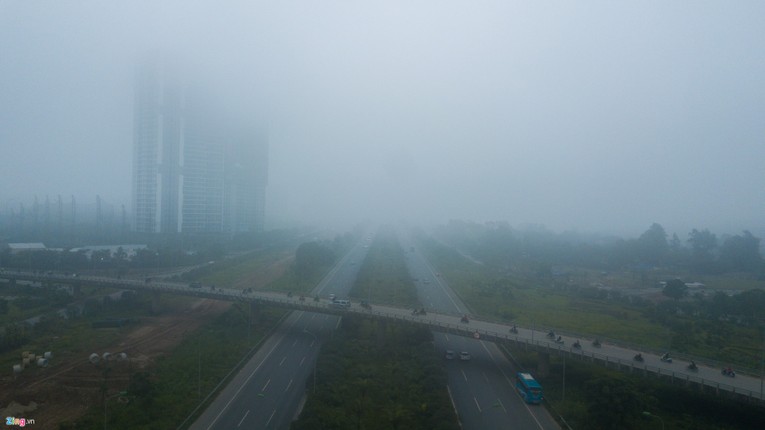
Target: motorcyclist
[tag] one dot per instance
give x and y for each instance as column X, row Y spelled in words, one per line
column 638, row 357
column 559, row 339
column 551, row 334
column 596, row 342
column 577, row 344
column 513, row 329
column 692, row 365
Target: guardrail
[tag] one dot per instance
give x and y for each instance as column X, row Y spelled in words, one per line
column 432, row 320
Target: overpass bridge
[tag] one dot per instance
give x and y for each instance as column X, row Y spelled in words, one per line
column 609, row 354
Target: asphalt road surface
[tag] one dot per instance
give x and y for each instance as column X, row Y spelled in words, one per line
column 269, row 390
column 482, row 388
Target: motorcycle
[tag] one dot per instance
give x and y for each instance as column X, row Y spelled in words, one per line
column 577, row 345
column 729, row 372
column 666, row 358
column 551, row 335
column 514, row 330
column 464, row 319
column 559, row 340
column 692, row 367
column 638, row 357
column 596, row 343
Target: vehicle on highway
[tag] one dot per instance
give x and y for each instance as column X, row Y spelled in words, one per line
column 449, row 355
column 729, row 372
column 528, row 388
column 464, row 356
column 338, row 303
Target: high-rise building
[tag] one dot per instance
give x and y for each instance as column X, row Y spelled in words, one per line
column 192, row 174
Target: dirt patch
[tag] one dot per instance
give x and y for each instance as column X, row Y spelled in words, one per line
column 65, row 390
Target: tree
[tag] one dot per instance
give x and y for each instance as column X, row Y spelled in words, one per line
column 652, row 245
column 613, row 402
column 675, row 289
column 741, row 253
column 703, row 243
column 311, row 256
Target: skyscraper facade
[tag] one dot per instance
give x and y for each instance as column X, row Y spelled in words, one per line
column 192, row 174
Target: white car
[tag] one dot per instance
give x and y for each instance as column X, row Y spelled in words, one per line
column 449, row 354
column 464, row 356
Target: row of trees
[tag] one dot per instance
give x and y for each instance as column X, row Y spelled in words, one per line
column 384, row 276
column 498, row 245
column 378, row 375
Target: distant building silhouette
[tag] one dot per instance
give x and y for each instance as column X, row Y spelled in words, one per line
column 191, row 173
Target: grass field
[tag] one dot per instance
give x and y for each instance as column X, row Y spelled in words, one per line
column 537, row 303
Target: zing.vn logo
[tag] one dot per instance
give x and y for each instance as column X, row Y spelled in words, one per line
column 21, row 422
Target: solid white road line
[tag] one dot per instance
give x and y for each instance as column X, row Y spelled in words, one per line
column 271, row 417
column 477, row 405
column 265, row 386
column 242, row 420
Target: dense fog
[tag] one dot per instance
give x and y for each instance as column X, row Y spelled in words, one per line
column 590, row 116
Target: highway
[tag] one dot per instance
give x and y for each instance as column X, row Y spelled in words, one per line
column 483, row 387
column 443, row 317
column 268, row 392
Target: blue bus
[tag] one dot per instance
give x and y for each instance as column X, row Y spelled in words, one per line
column 528, row 388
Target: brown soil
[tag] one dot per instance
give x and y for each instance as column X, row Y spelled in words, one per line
column 67, row 388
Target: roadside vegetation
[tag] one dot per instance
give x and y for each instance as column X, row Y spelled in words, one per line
column 378, row 375
column 165, row 394
column 383, row 276
column 716, row 328
column 312, row 262
column 599, row 398
column 537, row 279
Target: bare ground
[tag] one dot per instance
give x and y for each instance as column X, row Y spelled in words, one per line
column 65, row 390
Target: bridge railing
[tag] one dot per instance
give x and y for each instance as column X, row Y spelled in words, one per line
column 309, row 304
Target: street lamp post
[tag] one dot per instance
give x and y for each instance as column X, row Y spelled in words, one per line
column 314, row 361
column 648, row 414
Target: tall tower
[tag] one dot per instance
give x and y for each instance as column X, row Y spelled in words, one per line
column 193, row 172
column 158, row 142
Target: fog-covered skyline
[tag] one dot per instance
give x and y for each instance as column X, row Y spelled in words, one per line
column 591, row 116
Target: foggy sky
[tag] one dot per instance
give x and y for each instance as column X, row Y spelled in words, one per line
column 596, row 116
